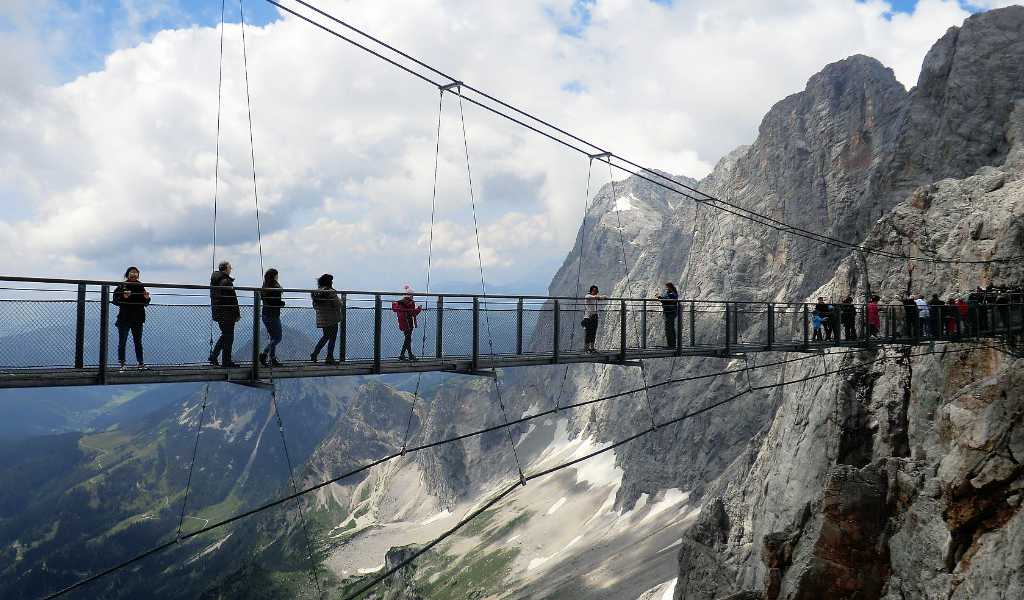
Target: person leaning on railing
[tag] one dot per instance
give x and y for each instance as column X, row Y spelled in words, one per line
column 270, row 295
column 131, row 299
column 327, row 306
column 224, row 306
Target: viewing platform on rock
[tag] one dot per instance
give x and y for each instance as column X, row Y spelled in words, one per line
column 62, row 332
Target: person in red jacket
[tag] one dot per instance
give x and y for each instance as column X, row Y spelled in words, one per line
column 406, row 311
column 874, row 319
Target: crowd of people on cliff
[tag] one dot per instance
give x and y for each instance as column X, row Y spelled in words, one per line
column 972, row 313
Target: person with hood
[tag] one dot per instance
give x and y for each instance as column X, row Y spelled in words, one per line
column 923, row 316
column 270, row 294
column 669, row 306
column 131, row 300
column 224, row 305
column 327, row 306
column 590, row 310
column 849, row 318
column 874, row 317
column 406, row 311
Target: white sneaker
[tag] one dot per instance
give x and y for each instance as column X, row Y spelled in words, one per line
column 143, row 367
column 123, row 368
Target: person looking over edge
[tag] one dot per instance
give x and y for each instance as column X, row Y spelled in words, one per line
column 327, row 306
column 224, row 305
column 131, row 299
column 590, row 308
column 270, row 294
column 406, row 311
column 669, row 306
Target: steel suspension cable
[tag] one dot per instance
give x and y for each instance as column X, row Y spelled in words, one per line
column 483, row 288
column 314, row 578
column 427, row 446
column 430, row 260
column 579, row 275
column 629, row 285
column 213, row 267
column 653, row 176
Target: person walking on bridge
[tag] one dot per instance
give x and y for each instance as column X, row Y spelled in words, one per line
column 327, row 306
column 590, row 310
column 406, row 311
column 270, row 294
column 669, row 307
column 224, row 305
column 131, row 300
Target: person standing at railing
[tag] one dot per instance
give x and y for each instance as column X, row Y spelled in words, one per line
column 327, row 306
column 270, row 294
column 849, row 316
column 224, row 305
column 874, row 318
column 962, row 315
column 923, row 316
column 937, row 310
column 824, row 311
column 590, row 310
column 816, row 322
column 910, row 317
column 669, row 306
column 131, row 299
column 406, row 312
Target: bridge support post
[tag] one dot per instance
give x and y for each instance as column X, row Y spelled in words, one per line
column 80, row 328
column 476, row 335
column 807, row 327
column 771, row 326
column 519, row 326
column 728, row 329
column 376, row 332
column 439, row 343
column 256, row 308
column 557, row 318
column 343, row 329
column 643, row 325
column 101, row 375
column 679, row 328
column 622, row 330
column 693, row 324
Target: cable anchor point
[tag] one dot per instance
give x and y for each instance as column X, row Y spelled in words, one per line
column 454, row 85
column 606, row 156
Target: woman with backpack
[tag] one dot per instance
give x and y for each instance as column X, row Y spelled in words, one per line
column 406, row 312
column 131, row 299
column 270, row 294
column 327, row 306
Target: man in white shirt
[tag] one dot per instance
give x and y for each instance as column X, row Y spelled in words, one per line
column 923, row 314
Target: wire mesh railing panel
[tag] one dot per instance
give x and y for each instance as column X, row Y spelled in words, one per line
column 40, row 333
column 173, row 334
column 498, row 328
column 457, row 329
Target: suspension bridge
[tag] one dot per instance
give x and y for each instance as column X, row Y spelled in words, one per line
column 58, row 332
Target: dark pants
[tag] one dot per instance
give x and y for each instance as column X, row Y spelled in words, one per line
column 225, row 341
column 274, row 332
column 670, row 329
column 850, row 330
column 827, row 326
column 328, row 337
column 590, row 330
column 122, row 339
column 407, row 343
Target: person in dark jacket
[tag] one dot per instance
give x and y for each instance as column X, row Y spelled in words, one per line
column 669, row 307
column 824, row 311
column 327, row 306
column 937, row 313
column 406, row 312
column 849, row 317
column 131, row 299
column 224, row 305
column 271, row 317
column 836, row 321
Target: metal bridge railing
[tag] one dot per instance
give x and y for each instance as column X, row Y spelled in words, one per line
column 67, row 324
